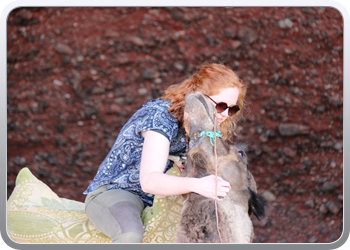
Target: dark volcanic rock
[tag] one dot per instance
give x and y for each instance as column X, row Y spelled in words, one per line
column 76, row 75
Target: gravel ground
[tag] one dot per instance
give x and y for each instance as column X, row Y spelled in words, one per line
column 75, row 76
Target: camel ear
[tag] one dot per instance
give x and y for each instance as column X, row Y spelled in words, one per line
column 198, row 114
column 257, row 205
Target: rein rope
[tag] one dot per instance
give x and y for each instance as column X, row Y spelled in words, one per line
column 216, row 176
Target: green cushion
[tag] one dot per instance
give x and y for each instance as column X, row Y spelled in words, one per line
column 162, row 218
column 35, row 214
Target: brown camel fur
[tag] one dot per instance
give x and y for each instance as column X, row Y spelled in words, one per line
column 198, row 216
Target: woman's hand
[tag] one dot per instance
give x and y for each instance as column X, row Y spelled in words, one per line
column 206, row 186
column 153, row 180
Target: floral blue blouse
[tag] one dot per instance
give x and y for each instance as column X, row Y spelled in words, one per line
column 121, row 167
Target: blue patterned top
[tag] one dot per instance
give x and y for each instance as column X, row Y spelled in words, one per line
column 121, row 167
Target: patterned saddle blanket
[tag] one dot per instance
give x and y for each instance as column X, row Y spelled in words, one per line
column 35, row 214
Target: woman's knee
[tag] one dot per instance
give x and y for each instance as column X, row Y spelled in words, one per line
column 117, row 213
column 128, row 216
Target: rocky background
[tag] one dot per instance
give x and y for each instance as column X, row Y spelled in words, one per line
column 75, row 76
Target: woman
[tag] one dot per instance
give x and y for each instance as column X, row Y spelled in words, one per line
column 134, row 169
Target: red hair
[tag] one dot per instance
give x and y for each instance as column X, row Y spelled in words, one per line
column 209, row 80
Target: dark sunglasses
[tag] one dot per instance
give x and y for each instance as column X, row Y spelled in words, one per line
column 222, row 106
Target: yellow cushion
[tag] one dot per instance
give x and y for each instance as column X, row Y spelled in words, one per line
column 35, row 214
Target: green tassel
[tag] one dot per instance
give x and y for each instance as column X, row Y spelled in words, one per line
column 211, row 135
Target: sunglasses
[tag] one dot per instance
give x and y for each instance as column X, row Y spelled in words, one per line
column 222, row 106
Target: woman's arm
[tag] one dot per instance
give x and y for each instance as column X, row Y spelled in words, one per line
column 153, row 180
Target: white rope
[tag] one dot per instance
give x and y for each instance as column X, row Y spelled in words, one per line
column 216, row 186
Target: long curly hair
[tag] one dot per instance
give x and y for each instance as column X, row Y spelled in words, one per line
column 210, row 80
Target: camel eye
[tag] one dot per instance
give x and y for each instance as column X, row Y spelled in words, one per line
column 241, row 153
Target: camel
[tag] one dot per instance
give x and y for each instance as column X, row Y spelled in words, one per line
column 200, row 215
